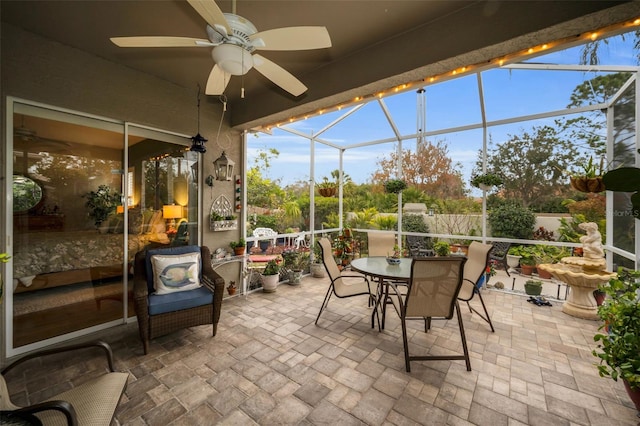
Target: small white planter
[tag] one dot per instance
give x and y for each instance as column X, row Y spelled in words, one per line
column 270, row 282
column 513, row 261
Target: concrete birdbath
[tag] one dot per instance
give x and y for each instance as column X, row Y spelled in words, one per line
column 582, row 274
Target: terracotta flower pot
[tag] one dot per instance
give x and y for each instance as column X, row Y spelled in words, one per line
column 634, row 394
column 526, row 269
column 544, row 274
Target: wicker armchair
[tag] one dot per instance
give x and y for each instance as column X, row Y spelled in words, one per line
column 92, row 402
column 163, row 314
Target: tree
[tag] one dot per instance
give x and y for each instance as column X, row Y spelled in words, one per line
column 589, row 129
column 532, row 165
column 429, row 169
column 262, row 191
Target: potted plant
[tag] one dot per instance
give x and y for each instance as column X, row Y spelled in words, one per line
column 317, row 266
column 486, row 181
column 514, row 256
column 326, row 188
column 239, row 247
column 618, row 345
column 296, row 262
column 231, row 288
column 395, row 186
column 589, row 179
column 533, row 287
column 442, row 248
column 101, row 203
column 394, row 258
column 270, row 276
column 527, row 264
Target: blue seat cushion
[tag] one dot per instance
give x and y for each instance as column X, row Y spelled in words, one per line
column 164, row 303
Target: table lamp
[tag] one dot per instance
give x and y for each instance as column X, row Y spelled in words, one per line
column 171, row 212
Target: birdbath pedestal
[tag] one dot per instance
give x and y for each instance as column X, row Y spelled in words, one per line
column 583, row 276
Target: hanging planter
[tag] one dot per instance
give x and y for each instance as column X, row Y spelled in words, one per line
column 590, row 180
column 587, row 184
column 394, row 186
column 486, row 181
column 327, row 188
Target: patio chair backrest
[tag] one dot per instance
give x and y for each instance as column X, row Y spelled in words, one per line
column 476, row 265
column 380, row 243
column 331, row 266
column 434, row 286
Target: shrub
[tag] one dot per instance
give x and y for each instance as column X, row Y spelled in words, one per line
column 414, row 223
column 512, row 221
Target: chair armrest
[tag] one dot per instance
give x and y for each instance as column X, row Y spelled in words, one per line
column 99, row 344
column 62, row 406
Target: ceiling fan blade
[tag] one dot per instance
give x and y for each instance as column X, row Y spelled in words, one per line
column 211, row 13
column 160, row 41
column 278, row 75
column 217, row 82
column 293, row 38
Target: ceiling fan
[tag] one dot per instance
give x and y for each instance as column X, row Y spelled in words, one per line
column 27, row 139
column 234, row 40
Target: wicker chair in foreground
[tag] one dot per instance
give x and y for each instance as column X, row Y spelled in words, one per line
column 163, row 303
column 93, row 402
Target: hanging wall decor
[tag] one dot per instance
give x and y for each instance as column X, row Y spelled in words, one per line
column 221, row 217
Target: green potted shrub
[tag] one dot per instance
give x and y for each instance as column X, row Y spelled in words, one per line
column 442, row 248
column 486, row 181
column 317, row 267
column 270, row 276
column 533, row 287
column 239, row 247
column 395, row 186
column 618, row 345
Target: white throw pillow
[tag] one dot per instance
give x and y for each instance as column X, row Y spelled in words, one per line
column 173, row 273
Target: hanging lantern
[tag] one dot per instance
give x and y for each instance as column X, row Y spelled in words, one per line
column 223, row 167
column 198, row 141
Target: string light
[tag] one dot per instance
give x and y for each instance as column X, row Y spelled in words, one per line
column 593, row 35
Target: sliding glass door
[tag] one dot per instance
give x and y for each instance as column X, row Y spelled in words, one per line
column 88, row 194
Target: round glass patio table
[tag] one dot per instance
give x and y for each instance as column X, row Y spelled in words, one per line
column 377, row 267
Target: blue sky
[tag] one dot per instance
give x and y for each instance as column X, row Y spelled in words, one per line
column 508, row 93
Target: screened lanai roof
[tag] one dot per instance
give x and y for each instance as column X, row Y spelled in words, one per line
column 465, row 112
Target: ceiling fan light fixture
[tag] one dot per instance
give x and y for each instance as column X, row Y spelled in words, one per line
column 232, row 59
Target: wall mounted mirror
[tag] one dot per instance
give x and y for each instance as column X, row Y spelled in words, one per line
column 27, row 193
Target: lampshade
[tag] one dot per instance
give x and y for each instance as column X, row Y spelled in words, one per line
column 171, row 211
column 180, row 190
column 232, row 59
column 223, row 167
